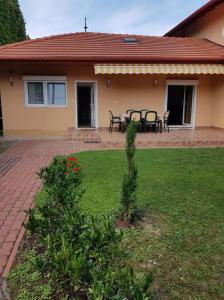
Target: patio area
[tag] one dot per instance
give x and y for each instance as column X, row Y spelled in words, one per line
column 201, row 137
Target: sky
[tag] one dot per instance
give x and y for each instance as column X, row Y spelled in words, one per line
column 150, row 17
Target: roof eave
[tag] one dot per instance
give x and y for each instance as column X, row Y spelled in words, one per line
column 115, row 59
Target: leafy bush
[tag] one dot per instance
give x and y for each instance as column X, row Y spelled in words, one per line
column 62, row 174
column 23, row 287
column 80, row 254
column 128, row 198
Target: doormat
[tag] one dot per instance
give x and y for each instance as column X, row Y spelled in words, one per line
column 92, row 141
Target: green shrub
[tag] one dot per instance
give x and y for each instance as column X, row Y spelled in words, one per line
column 62, row 174
column 80, row 255
column 61, row 180
column 129, row 185
column 23, row 287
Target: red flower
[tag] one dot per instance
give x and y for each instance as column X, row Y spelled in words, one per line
column 72, row 159
column 76, row 169
column 69, row 165
column 66, row 173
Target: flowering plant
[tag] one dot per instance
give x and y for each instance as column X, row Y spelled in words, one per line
column 62, row 172
column 72, row 165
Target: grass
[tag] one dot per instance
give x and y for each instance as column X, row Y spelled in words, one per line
column 182, row 236
column 182, row 192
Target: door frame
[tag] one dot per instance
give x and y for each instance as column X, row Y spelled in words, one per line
column 95, row 84
column 184, row 82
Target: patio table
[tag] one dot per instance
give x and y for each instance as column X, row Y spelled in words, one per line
column 125, row 118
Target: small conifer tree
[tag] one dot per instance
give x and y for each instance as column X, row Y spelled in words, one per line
column 129, row 185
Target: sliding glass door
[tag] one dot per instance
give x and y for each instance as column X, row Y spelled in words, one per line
column 180, row 104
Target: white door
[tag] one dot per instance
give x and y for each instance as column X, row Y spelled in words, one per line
column 93, row 107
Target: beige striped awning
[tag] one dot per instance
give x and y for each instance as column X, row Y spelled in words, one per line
column 159, row 69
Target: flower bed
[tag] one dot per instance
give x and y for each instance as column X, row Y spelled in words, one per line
column 76, row 256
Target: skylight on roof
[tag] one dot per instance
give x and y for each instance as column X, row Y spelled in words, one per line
column 130, row 40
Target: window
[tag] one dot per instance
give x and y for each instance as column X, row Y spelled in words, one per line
column 130, row 40
column 35, row 92
column 45, row 91
column 56, row 93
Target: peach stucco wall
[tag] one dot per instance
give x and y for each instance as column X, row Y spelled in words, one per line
column 125, row 92
column 17, row 118
column 218, row 104
column 129, row 92
column 210, row 26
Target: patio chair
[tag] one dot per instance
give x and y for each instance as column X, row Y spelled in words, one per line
column 151, row 120
column 136, row 116
column 166, row 120
column 143, row 112
column 128, row 112
column 114, row 120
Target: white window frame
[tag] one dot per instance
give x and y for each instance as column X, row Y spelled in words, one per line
column 45, row 80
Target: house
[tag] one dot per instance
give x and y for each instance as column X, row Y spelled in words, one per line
column 54, row 83
column 206, row 22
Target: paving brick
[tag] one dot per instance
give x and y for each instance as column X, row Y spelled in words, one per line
column 2, row 237
column 9, row 220
column 11, row 237
column 17, row 225
column 4, row 229
column 6, row 249
column 3, row 261
column 3, row 215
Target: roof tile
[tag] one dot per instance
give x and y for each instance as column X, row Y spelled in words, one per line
column 105, row 47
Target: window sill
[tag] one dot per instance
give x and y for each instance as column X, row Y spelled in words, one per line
column 46, row 106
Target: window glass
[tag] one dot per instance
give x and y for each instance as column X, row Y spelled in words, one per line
column 56, row 93
column 35, row 93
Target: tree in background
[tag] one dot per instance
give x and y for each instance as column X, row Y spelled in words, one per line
column 12, row 24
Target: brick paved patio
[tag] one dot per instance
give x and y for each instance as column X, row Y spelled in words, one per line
column 205, row 137
column 19, row 164
column 19, row 184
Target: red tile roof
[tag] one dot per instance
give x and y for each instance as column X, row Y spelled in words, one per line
column 193, row 17
column 104, row 47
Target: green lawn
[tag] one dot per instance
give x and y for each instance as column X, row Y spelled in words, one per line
column 181, row 239
column 182, row 193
